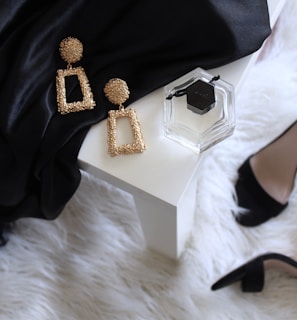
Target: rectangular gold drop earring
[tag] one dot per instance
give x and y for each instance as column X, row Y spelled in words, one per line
column 117, row 92
column 71, row 51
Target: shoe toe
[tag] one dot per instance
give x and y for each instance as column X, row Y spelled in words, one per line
column 256, row 208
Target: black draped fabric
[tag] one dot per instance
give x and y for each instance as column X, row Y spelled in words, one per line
column 146, row 43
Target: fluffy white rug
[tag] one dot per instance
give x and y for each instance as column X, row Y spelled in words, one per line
column 91, row 263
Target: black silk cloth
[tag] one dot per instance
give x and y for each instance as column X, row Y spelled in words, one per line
column 146, row 43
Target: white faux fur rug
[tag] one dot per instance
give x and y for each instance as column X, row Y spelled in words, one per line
column 91, row 263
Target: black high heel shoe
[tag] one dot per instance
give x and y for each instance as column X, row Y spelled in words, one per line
column 250, row 195
column 252, row 274
column 259, row 205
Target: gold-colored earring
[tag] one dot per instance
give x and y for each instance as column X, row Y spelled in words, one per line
column 71, row 50
column 117, row 92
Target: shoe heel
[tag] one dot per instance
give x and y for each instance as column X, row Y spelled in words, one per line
column 252, row 273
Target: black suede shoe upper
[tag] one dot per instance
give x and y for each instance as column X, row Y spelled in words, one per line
column 251, row 196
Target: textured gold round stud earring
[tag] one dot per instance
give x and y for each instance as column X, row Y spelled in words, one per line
column 117, row 92
column 71, row 50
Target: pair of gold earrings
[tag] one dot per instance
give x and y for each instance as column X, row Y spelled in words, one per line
column 116, row 91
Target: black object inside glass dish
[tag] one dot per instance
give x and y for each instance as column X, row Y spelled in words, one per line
column 200, row 95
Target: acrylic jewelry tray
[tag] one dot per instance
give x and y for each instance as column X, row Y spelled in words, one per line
column 199, row 110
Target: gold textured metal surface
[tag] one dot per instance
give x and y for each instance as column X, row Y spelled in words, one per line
column 117, row 92
column 137, row 146
column 87, row 103
column 71, row 50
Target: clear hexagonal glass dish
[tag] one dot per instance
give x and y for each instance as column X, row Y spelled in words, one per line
column 199, row 110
